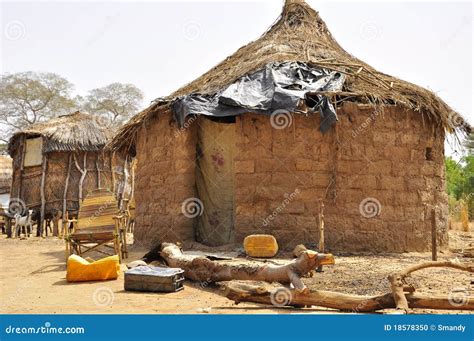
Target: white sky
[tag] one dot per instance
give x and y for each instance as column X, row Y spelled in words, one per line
column 159, row 46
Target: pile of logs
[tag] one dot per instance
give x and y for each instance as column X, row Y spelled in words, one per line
column 402, row 296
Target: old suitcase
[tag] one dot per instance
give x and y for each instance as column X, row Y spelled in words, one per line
column 154, row 279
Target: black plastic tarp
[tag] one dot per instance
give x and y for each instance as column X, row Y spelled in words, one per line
column 278, row 86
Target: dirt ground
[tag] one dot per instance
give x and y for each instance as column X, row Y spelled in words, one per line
column 33, row 271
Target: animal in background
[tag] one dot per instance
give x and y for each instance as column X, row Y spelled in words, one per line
column 24, row 223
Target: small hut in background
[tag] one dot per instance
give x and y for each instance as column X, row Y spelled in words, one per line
column 57, row 163
column 5, row 180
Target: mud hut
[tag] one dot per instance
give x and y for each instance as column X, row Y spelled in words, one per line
column 287, row 124
column 5, row 180
column 57, row 163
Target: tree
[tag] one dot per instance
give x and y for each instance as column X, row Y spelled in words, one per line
column 469, row 144
column 114, row 103
column 460, row 178
column 29, row 97
column 453, row 177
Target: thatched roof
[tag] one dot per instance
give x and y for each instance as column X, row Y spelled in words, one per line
column 73, row 132
column 5, row 174
column 301, row 35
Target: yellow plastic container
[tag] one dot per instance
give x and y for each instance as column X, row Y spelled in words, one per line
column 260, row 245
column 80, row 270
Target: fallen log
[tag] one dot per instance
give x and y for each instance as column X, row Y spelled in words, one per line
column 402, row 297
column 281, row 297
column 202, row 269
column 399, row 285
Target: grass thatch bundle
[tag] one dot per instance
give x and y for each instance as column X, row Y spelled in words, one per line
column 5, row 174
column 301, row 35
column 73, row 132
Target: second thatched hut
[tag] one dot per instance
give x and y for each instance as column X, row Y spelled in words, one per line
column 57, row 163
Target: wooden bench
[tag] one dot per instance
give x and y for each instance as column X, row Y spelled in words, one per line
column 99, row 227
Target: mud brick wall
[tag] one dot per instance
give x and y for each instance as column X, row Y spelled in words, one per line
column 378, row 172
column 282, row 174
column 165, row 177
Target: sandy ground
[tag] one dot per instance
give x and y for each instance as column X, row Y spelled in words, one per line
column 32, row 280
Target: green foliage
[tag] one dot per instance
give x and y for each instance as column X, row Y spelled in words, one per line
column 114, row 103
column 460, row 177
column 30, row 97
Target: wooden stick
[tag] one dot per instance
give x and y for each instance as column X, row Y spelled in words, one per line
column 98, row 171
column 321, row 227
column 66, row 187
column 83, row 174
column 434, row 252
column 279, row 297
column 22, row 166
column 43, row 196
column 398, row 283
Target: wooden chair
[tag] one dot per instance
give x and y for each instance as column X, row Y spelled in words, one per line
column 99, row 227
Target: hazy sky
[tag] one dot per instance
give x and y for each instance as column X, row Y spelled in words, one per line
column 161, row 45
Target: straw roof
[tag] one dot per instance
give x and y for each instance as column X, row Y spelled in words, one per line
column 73, row 132
column 301, row 35
column 5, row 174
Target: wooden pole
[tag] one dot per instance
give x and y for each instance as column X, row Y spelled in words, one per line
column 66, row 187
column 98, row 171
column 133, row 167
column 112, row 162
column 43, row 196
column 22, row 166
column 321, row 231
column 434, row 252
column 83, row 175
column 321, row 227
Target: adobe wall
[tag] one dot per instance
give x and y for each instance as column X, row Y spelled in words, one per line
column 281, row 174
column 165, row 177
